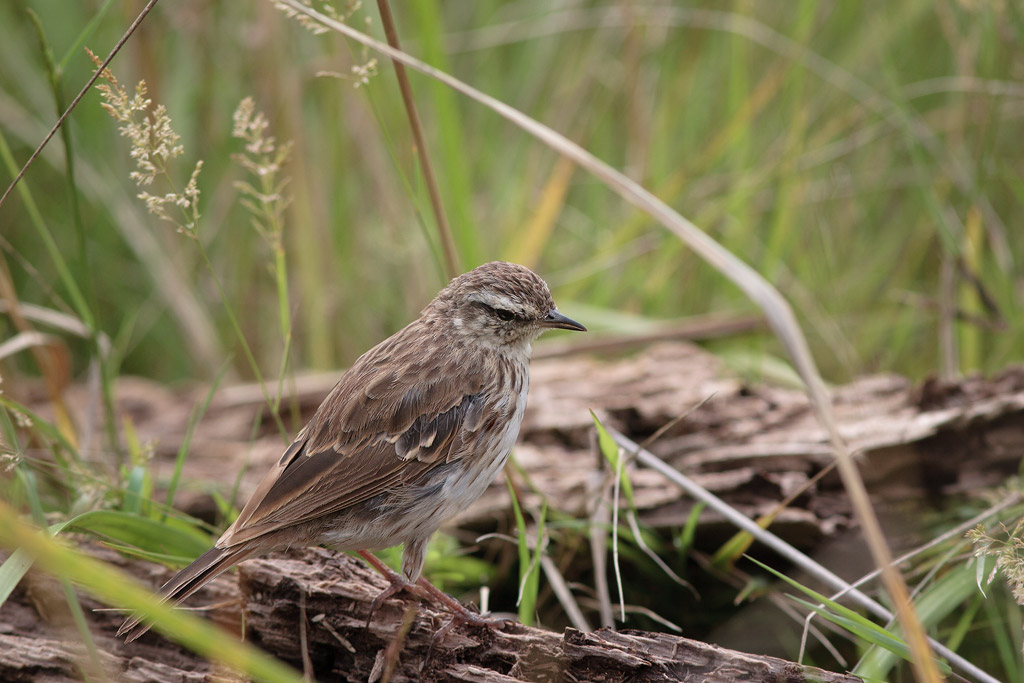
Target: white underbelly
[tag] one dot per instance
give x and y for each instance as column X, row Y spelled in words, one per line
column 421, row 512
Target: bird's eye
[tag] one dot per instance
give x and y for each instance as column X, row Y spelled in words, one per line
column 504, row 315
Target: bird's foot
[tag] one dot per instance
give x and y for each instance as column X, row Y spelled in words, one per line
column 460, row 613
column 423, row 589
column 398, row 584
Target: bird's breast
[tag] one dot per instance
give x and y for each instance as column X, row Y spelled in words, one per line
column 483, row 452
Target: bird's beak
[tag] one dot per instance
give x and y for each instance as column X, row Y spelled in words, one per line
column 556, row 321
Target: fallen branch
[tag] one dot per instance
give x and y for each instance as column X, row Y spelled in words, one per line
column 341, row 588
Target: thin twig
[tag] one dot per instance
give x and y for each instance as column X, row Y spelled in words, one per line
column 81, row 93
column 634, row 526
column 780, row 546
column 394, row 648
column 451, row 256
column 564, row 595
column 307, row 663
column 321, row 620
column 958, row 530
column 599, row 521
column 615, row 533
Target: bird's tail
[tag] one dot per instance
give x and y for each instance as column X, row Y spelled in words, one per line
column 205, row 568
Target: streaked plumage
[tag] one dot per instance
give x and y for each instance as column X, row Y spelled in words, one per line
column 412, row 434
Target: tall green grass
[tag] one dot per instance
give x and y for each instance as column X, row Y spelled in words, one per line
column 868, row 162
column 849, row 181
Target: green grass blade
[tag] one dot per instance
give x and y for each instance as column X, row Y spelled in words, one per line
column 79, row 42
column 531, row 582
column 954, row 591
column 856, row 624
column 134, row 490
column 46, row 238
column 28, row 480
column 168, row 537
column 873, row 636
column 610, row 450
column 839, row 609
column 689, row 531
column 523, row 547
column 193, row 421
column 11, row 572
column 120, row 590
column 82, row 626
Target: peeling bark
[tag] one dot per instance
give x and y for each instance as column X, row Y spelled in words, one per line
column 334, row 592
column 751, row 445
column 337, row 593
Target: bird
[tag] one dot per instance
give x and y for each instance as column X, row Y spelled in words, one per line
column 413, row 432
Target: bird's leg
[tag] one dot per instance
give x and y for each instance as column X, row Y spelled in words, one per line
column 398, row 584
column 389, row 573
column 424, row 589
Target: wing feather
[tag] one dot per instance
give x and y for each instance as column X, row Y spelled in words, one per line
column 381, row 425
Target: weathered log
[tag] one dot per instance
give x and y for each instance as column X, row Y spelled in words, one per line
column 332, row 592
column 39, row 660
column 752, row 445
column 39, row 643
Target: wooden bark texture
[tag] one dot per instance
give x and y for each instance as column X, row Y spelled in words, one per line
column 752, row 444
column 331, row 594
column 336, row 592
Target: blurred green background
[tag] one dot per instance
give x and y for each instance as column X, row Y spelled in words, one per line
column 866, row 159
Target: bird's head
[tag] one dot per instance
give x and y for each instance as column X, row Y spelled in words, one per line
column 500, row 304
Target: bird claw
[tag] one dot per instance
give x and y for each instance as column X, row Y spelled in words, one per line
column 397, row 586
column 460, row 613
column 467, row 616
column 425, row 590
column 463, row 615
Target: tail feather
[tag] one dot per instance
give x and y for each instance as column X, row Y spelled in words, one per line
column 204, row 569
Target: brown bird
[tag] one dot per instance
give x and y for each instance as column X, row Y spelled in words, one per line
column 412, row 434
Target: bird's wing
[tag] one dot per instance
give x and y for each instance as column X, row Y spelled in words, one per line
column 392, row 416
